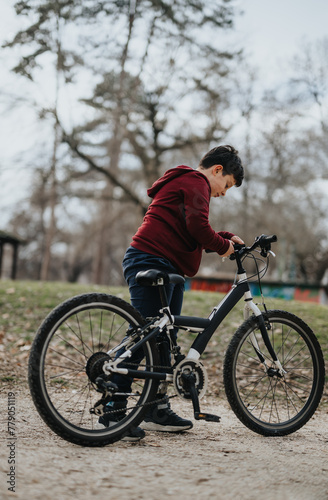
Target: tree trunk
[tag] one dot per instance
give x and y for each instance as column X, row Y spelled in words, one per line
column 51, row 230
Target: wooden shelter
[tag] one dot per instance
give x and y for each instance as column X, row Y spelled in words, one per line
column 14, row 242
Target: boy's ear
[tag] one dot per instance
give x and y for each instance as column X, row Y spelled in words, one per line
column 217, row 169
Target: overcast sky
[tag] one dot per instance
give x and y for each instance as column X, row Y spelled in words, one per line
column 270, row 32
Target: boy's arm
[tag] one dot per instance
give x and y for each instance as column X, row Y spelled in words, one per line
column 196, row 211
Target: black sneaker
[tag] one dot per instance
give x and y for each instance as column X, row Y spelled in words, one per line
column 110, row 418
column 160, row 417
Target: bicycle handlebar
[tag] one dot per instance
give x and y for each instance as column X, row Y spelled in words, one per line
column 263, row 241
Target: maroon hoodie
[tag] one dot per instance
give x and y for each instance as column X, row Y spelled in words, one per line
column 176, row 224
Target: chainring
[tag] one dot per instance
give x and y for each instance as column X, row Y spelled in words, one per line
column 190, row 366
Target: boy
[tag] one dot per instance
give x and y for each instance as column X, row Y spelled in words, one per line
column 174, row 232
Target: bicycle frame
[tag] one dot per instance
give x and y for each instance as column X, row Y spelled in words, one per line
column 205, row 326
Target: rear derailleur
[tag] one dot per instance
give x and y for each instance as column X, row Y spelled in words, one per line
column 96, row 375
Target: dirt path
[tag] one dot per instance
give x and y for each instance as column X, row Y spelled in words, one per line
column 224, row 461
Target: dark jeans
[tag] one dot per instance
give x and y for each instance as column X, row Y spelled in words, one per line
column 146, row 299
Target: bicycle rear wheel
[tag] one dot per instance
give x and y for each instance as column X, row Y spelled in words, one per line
column 69, row 347
column 265, row 401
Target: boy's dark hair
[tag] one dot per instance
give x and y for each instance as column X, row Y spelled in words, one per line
column 227, row 156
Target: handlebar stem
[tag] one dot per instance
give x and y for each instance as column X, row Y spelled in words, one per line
column 237, row 256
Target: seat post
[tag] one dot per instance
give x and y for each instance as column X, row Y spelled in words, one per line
column 163, row 295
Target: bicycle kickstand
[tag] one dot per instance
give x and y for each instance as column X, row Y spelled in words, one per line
column 189, row 380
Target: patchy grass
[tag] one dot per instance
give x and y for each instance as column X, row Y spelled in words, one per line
column 25, row 304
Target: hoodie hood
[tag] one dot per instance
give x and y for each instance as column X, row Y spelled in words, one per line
column 169, row 175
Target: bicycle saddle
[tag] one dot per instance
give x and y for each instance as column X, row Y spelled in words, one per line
column 154, row 277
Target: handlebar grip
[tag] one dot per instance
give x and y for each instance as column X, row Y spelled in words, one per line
column 269, row 239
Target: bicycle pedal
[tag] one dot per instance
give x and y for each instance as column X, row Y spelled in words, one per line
column 206, row 416
column 107, row 388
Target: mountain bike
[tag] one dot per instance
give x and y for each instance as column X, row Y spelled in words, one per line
column 273, row 368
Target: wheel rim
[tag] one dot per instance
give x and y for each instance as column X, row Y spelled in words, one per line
column 66, row 388
column 272, row 400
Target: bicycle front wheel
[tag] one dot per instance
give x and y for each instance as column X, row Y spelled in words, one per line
column 67, row 355
column 265, row 401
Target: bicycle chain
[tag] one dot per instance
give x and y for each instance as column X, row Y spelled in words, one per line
column 144, row 366
column 155, row 401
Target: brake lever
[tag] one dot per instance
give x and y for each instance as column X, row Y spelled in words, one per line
column 264, row 252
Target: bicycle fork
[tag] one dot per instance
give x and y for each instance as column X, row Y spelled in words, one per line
column 250, row 306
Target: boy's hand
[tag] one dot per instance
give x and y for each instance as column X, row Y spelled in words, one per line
column 236, row 239
column 231, row 249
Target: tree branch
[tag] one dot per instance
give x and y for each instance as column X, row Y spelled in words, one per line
column 112, row 178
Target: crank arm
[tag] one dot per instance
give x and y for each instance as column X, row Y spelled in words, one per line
column 189, row 380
